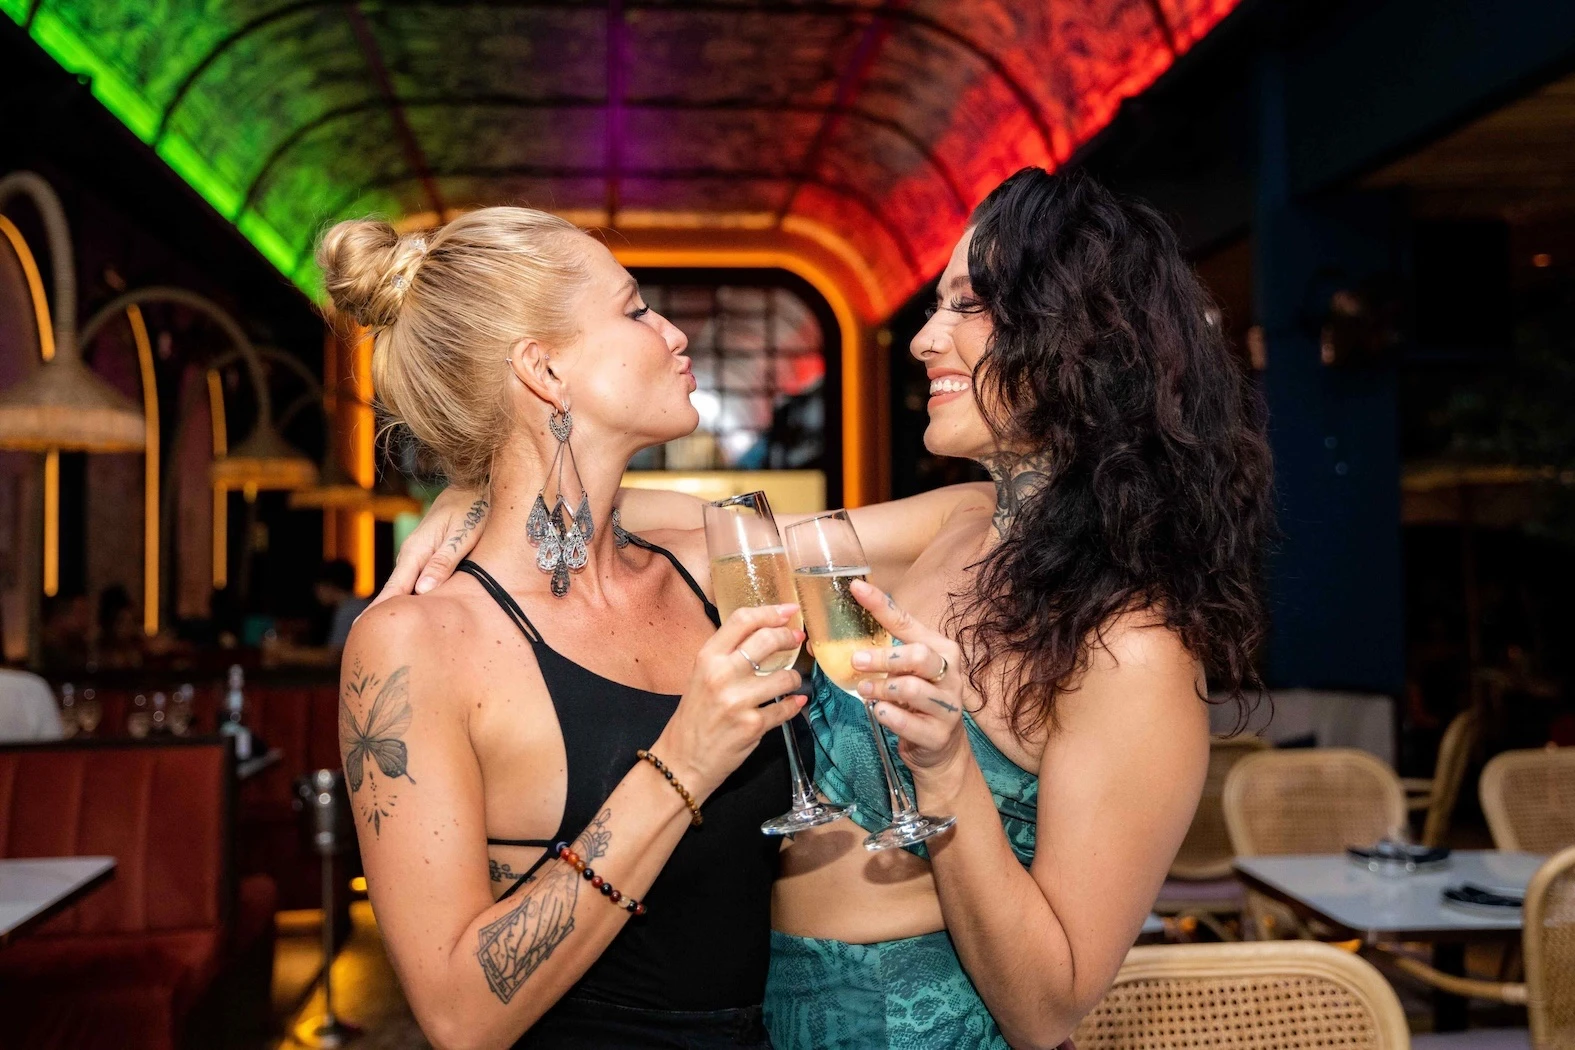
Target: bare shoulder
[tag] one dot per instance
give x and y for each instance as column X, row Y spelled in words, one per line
column 1139, row 639
column 643, row 509
column 688, row 546
column 431, row 634
column 972, row 496
column 1139, row 671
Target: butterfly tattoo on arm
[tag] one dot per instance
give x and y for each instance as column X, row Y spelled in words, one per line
column 380, row 738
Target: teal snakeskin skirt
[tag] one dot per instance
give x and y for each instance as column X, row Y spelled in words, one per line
column 910, row 994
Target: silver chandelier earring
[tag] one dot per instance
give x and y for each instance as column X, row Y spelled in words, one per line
column 562, row 540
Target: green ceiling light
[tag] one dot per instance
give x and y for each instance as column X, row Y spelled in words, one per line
column 109, row 87
column 67, row 47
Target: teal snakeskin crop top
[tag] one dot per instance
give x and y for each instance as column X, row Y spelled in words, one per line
column 847, row 768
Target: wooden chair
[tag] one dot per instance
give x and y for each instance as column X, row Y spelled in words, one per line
column 1439, row 793
column 1528, row 798
column 1285, row 995
column 1201, row 885
column 1306, row 800
column 1548, row 992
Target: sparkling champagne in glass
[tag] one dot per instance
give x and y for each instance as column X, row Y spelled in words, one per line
column 827, row 557
column 749, row 569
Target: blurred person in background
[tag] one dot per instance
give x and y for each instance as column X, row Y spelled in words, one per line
column 119, row 643
column 336, row 611
column 27, row 708
column 66, row 635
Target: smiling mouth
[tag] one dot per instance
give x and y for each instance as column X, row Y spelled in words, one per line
column 949, row 385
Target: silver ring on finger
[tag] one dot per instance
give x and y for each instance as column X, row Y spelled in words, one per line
column 945, row 666
column 746, row 656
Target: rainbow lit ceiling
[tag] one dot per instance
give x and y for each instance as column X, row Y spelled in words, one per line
column 876, row 125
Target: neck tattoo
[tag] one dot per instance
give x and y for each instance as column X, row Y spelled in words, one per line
column 1017, row 477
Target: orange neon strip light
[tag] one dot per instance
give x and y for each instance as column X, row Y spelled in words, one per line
column 150, row 472
column 855, row 430
column 35, row 287
column 46, row 350
column 363, row 463
column 221, row 495
column 52, row 522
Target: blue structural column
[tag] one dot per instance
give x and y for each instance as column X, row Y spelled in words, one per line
column 1334, row 577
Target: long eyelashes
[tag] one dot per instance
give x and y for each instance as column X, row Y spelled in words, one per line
column 641, row 312
column 961, row 306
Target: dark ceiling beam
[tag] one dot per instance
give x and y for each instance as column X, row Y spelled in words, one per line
column 617, row 52
column 956, row 37
column 1165, row 30
column 414, row 155
column 538, row 171
column 942, row 170
column 862, row 61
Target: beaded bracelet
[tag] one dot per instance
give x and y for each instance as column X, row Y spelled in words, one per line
column 568, row 856
column 695, row 817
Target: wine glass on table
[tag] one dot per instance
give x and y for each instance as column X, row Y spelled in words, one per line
column 749, row 568
column 827, row 557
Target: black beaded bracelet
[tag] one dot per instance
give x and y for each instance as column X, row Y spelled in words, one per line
column 569, row 857
column 695, row 817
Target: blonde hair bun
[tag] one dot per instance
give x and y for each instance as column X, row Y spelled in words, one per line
column 367, row 269
column 440, row 351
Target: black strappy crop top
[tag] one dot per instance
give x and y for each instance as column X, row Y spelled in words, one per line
column 705, row 941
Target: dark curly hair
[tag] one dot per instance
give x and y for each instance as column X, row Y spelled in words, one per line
column 1108, row 361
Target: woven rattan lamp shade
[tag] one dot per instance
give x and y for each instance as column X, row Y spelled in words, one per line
column 334, row 490
column 63, row 405
column 264, row 462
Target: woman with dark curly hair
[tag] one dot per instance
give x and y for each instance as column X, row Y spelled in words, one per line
column 1050, row 691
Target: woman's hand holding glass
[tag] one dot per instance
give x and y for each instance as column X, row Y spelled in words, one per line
column 924, row 692
column 726, row 709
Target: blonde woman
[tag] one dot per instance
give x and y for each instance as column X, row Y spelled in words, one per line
column 528, row 746
column 1050, row 694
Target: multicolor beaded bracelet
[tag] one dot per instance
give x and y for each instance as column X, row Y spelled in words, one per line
column 695, row 817
column 568, row 856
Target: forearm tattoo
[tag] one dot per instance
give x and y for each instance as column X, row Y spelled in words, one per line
column 473, row 516
column 1016, row 478
column 380, row 736
column 512, row 947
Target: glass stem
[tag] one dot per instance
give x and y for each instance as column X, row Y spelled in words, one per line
column 902, row 807
column 803, row 794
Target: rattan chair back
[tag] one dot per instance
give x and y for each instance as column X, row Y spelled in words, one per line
column 1449, row 772
column 1206, row 852
column 1529, row 799
column 1310, row 800
column 1550, row 953
column 1274, row 995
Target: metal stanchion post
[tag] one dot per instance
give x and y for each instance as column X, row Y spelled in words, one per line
column 327, row 1030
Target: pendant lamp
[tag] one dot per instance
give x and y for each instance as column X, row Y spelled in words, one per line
column 62, row 404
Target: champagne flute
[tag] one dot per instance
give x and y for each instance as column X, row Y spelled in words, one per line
column 749, row 569
column 827, row 557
